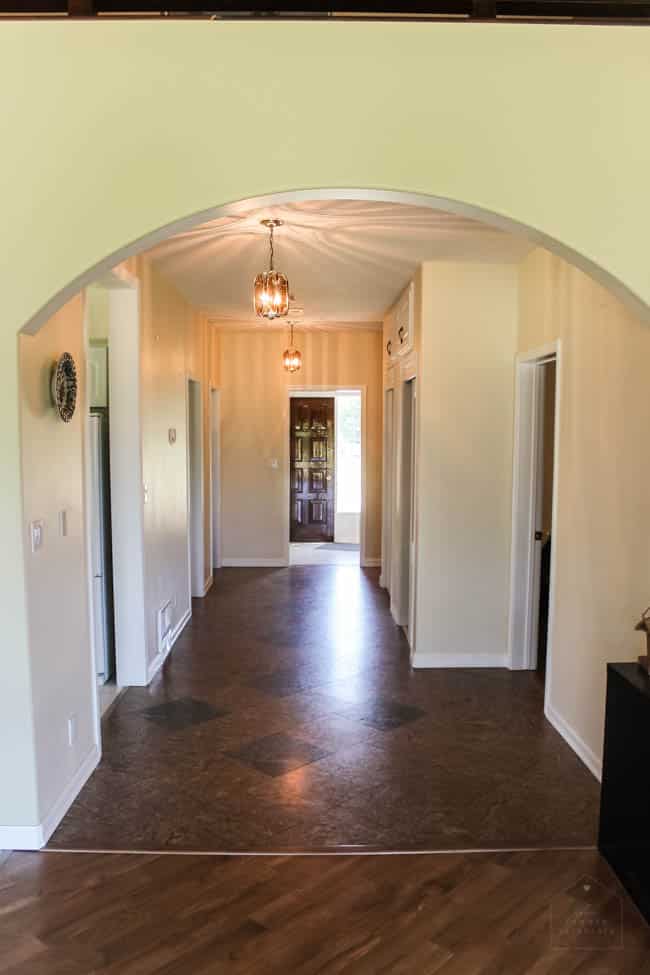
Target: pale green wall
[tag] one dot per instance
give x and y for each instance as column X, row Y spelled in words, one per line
column 111, row 130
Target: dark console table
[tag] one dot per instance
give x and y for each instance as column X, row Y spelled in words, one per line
column 624, row 837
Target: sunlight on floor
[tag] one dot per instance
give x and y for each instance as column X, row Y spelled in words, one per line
column 320, row 553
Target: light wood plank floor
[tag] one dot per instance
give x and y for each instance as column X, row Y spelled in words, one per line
column 539, row 913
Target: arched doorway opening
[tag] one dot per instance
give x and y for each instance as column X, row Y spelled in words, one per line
column 537, row 277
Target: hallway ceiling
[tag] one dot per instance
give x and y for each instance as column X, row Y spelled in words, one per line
column 347, row 261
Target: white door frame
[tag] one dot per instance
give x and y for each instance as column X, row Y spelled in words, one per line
column 195, row 500
column 292, row 392
column 87, row 495
column 404, row 538
column 413, row 526
column 526, row 508
column 388, row 476
column 127, row 516
column 215, row 477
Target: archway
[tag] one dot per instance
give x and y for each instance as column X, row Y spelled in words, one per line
column 329, row 194
column 489, row 114
column 465, row 209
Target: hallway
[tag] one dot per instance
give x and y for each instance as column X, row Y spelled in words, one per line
column 288, row 718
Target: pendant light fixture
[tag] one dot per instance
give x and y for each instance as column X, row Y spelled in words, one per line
column 291, row 357
column 271, row 291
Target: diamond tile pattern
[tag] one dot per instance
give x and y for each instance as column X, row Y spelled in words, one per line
column 182, row 713
column 383, row 714
column 278, row 754
column 288, row 717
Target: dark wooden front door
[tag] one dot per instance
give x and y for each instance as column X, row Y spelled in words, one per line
column 312, row 469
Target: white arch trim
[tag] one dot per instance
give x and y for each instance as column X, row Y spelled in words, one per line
column 458, row 207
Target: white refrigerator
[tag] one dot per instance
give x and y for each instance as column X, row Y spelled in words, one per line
column 100, row 544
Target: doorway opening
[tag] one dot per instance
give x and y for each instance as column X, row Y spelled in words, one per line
column 387, row 487
column 99, row 497
column 113, row 476
column 195, row 487
column 215, row 477
column 534, row 505
column 403, row 591
column 325, row 477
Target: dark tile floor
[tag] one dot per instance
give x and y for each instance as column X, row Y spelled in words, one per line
column 287, row 717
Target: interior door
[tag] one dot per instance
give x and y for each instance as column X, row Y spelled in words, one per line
column 312, row 469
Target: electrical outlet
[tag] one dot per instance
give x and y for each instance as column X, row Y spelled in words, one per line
column 72, row 729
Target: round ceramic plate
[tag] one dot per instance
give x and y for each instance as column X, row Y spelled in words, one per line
column 64, row 387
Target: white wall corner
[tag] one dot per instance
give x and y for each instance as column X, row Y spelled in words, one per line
column 455, row 660
column 575, row 742
column 35, row 837
column 160, row 658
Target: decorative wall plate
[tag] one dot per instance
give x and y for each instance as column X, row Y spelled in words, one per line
column 64, row 387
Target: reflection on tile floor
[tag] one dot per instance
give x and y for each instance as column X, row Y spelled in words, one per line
column 287, row 717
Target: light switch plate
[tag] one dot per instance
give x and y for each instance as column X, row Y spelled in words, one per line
column 36, row 535
column 63, row 523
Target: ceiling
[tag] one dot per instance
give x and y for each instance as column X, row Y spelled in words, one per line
column 346, row 260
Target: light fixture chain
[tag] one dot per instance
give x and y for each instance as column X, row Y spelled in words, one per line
column 271, row 245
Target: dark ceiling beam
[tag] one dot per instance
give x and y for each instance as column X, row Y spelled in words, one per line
column 590, row 11
column 484, row 9
column 81, row 8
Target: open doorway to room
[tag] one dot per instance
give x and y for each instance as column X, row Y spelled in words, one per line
column 215, row 477
column 114, row 487
column 195, row 466
column 325, row 477
column 98, row 489
column 535, row 475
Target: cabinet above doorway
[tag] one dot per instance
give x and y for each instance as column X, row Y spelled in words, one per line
column 399, row 326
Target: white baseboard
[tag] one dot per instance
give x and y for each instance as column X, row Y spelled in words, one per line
column 573, row 739
column 453, row 660
column 370, row 563
column 35, row 837
column 253, row 563
column 161, row 657
column 208, row 585
column 397, row 618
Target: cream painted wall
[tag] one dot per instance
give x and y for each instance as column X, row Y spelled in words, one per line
column 602, row 581
column 254, row 429
column 56, row 575
column 465, row 425
column 201, row 365
column 169, row 353
column 98, row 315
